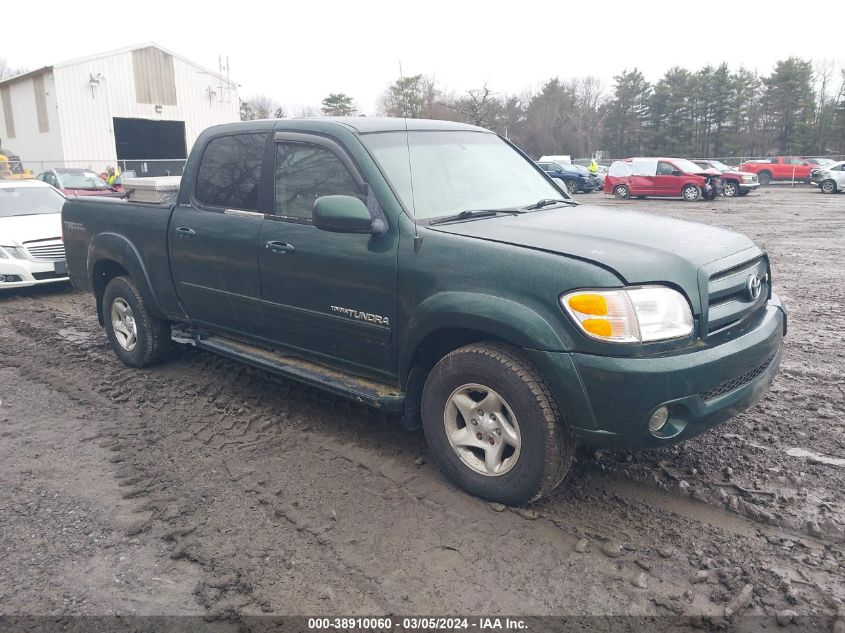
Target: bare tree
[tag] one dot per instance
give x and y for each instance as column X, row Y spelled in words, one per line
column 7, row 71
column 261, row 107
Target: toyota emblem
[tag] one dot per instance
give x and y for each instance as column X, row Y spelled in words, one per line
column 754, row 286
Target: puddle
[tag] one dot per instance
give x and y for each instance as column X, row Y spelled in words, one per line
column 815, row 457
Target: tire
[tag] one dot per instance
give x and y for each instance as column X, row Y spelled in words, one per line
column 691, row 193
column 765, row 178
column 622, row 192
column 730, row 189
column 138, row 338
column 827, row 186
column 571, row 185
column 532, row 448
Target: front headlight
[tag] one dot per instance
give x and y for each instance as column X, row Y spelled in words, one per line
column 13, row 252
column 632, row 315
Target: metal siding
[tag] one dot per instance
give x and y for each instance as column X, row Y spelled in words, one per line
column 40, row 104
column 86, row 120
column 8, row 112
column 29, row 142
column 155, row 82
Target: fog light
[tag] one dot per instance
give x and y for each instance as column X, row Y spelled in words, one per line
column 658, row 420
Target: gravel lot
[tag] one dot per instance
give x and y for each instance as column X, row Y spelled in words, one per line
column 204, row 487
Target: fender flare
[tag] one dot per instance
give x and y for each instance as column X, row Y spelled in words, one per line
column 117, row 248
column 499, row 317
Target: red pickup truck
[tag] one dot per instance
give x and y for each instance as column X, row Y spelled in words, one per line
column 789, row 168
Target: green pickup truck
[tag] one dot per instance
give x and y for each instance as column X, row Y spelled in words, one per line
column 431, row 269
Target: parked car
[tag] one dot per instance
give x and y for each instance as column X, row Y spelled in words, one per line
column 574, row 178
column 819, row 162
column 779, row 169
column 830, row 178
column 663, row 178
column 560, row 159
column 77, row 182
column 430, row 268
column 734, row 183
column 31, row 247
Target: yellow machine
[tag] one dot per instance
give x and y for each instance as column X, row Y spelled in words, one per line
column 11, row 167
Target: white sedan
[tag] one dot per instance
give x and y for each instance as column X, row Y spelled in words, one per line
column 831, row 178
column 31, row 248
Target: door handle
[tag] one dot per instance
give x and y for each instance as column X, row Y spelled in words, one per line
column 184, row 231
column 280, row 248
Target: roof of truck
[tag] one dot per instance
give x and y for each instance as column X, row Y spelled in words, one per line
column 366, row 124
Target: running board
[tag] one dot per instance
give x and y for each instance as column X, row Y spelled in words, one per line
column 369, row 392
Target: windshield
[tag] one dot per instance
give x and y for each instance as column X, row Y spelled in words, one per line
column 686, row 166
column 81, row 180
column 29, row 201
column 720, row 166
column 457, row 171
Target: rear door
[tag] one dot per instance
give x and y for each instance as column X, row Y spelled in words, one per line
column 643, row 178
column 795, row 169
column 329, row 296
column 213, row 239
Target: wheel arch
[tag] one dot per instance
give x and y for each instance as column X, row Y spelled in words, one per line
column 449, row 320
column 111, row 255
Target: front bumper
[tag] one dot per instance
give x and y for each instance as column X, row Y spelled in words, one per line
column 31, row 273
column 749, row 186
column 609, row 400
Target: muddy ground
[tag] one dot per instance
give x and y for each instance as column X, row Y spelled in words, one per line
column 204, row 487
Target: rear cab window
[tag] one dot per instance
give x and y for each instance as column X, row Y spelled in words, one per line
column 229, row 173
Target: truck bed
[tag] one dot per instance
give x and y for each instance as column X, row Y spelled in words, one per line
column 121, row 227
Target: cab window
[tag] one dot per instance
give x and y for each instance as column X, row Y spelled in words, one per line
column 303, row 174
column 230, row 172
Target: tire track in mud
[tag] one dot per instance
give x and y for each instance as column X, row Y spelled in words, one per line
column 294, row 501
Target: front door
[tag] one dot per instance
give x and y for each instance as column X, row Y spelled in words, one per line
column 214, row 238
column 666, row 183
column 329, row 296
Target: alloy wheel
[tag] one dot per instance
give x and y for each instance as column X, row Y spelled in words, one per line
column 482, row 430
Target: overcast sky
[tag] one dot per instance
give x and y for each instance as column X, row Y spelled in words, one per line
column 298, row 52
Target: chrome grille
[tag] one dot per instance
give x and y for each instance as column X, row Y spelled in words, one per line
column 729, row 300
column 740, row 381
column 52, row 250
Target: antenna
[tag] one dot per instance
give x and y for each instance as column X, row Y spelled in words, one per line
column 418, row 240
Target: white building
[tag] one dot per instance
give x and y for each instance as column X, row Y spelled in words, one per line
column 137, row 104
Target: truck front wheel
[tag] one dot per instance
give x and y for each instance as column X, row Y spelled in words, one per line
column 765, row 178
column 493, row 426
column 730, row 189
column 138, row 338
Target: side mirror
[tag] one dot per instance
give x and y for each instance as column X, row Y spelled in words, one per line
column 343, row 214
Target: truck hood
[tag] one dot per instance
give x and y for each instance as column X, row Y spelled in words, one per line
column 639, row 248
column 18, row 229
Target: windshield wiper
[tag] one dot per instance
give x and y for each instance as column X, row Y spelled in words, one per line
column 546, row 202
column 474, row 213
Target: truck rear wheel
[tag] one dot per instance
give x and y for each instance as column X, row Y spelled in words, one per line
column 493, row 426
column 138, row 338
